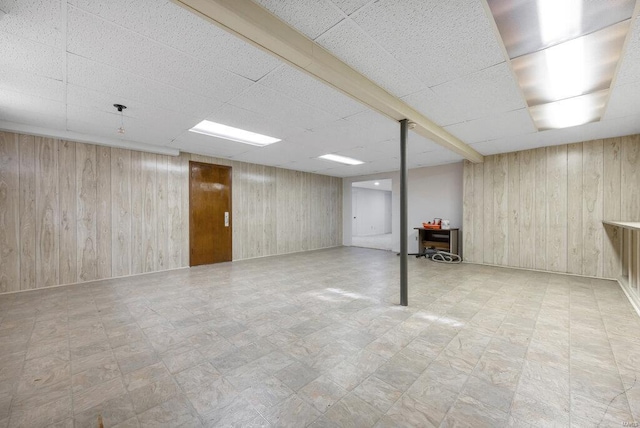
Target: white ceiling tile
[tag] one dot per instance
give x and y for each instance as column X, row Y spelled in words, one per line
column 362, row 154
column 435, row 107
column 20, row 104
column 349, row 43
column 629, row 71
column 175, row 26
column 36, row 20
column 124, row 85
column 310, row 17
column 31, row 84
column 501, row 125
column 623, row 101
column 281, row 107
column 309, row 165
column 302, row 87
column 32, row 57
column 350, row 6
column 279, row 153
column 148, row 58
column 437, row 40
column 483, row 93
column 433, row 158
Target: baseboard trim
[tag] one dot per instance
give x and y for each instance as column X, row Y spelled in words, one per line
column 631, row 296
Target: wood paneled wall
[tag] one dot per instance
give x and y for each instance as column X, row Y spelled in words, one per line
column 73, row 212
column 543, row 208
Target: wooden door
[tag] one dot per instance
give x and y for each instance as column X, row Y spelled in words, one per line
column 209, row 213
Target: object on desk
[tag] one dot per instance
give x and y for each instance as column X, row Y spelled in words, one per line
column 445, row 225
column 435, row 224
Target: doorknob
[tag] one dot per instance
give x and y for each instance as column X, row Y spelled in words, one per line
column 226, row 219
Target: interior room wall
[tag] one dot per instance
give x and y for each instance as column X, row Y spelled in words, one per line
column 73, row 212
column 373, row 211
column 543, row 208
column 434, row 191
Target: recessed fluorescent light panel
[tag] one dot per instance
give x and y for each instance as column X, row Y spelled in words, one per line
column 218, row 130
column 561, row 51
column 341, row 159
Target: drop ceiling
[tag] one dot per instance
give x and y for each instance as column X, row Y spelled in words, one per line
column 64, row 65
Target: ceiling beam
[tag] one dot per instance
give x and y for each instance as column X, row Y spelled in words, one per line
column 258, row 26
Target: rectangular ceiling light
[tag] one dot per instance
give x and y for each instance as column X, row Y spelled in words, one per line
column 564, row 54
column 341, row 159
column 213, row 129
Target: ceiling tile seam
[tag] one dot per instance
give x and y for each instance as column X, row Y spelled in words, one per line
column 487, row 117
column 28, row 39
column 470, row 74
column 104, row 64
column 381, row 48
column 21, row 93
column 153, row 41
column 627, row 41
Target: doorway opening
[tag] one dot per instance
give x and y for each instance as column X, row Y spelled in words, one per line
column 210, row 221
column 371, row 214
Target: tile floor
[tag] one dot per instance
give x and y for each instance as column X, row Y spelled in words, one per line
column 380, row 242
column 317, row 339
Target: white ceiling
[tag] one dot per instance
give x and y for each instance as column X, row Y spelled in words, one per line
column 64, row 64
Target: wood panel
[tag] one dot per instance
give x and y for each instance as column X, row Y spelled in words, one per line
column 574, row 208
column 540, row 216
column 557, row 208
column 563, row 194
column 76, row 212
column 68, row 197
column 86, row 182
column 501, row 209
column 513, row 203
column 47, row 212
column 488, row 233
column 103, row 214
column 527, row 244
column 149, row 213
column 174, row 210
column 478, row 210
column 630, row 200
column 120, row 212
column 27, row 212
column 468, row 212
column 611, row 208
column 9, row 213
column 592, row 209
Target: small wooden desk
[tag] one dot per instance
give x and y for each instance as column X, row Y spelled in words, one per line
column 441, row 239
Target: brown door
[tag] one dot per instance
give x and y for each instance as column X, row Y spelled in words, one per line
column 210, row 213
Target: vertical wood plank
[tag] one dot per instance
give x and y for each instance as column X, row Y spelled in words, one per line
column 592, row 209
column 612, row 197
column 467, row 212
column 513, row 231
column 149, row 213
column 162, row 212
column 556, row 202
column 574, row 208
column 120, row 212
column 47, row 213
column 68, row 196
column 527, row 210
column 478, row 211
column 9, row 213
column 184, row 219
column 269, row 212
column 137, row 213
column 174, row 210
column 501, row 209
column 540, row 210
column 237, row 195
column 103, row 215
column 630, row 208
column 487, row 227
column 27, row 231
column 86, row 183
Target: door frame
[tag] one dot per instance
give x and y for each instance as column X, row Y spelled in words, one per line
column 230, row 168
